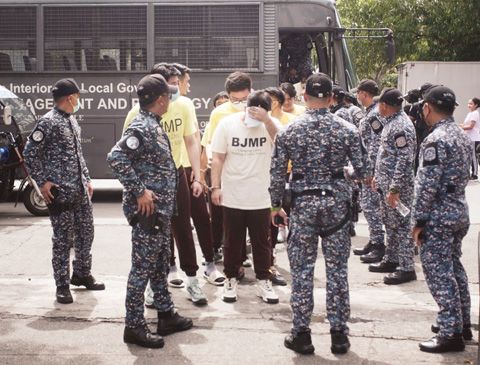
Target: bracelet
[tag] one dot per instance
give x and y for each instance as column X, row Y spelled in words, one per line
column 212, row 188
column 196, row 180
column 275, row 209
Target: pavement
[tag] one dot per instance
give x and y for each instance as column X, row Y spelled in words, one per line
column 387, row 322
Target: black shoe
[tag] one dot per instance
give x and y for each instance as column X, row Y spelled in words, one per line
column 276, row 277
column 474, row 177
column 88, row 282
column 400, row 277
column 301, row 343
column 383, row 266
column 376, row 255
column 353, row 233
column 340, row 343
column 439, row 344
column 171, row 322
column 142, row 336
column 363, row 250
column 466, row 333
column 63, row 295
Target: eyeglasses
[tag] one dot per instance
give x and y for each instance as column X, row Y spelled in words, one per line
column 236, row 100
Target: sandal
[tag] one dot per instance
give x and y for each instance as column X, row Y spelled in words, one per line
column 215, row 278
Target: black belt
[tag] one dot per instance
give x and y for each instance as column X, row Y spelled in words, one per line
column 335, row 175
column 315, row 192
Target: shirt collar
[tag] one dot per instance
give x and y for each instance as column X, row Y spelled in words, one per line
column 150, row 114
column 62, row 113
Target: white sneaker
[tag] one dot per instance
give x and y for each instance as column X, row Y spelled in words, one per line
column 195, row 293
column 149, row 297
column 282, row 234
column 247, row 262
column 230, row 290
column 266, row 292
column 174, row 280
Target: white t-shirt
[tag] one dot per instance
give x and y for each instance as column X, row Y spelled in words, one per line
column 473, row 133
column 246, row 170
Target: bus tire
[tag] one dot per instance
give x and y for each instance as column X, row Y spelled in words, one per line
column 34, row 203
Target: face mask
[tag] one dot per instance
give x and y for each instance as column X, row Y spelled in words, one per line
column 76, row 108
column 250, row 122
column 175, row 96
column 239, row 105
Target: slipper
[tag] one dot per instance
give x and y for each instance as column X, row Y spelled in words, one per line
column 174, row 281
column 215, row 278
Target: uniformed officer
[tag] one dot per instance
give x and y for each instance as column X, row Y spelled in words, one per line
column 441, row 220
column 339, row 108
column 356, row 113
column 319, row 145
column 394, row 181
column 143, row 163
column 370, row 131
column 53, row 156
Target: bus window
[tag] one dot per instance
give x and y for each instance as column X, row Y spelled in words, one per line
column 17, row 38
column 214, row 37
column 96, row 38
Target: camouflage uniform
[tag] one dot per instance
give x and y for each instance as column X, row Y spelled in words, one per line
column 356, row 114
column 54, row 153
column 370, row 129
column 295, row 54
column 394, row 169
column 440, row 207
column 319, row 145
column 340, row 110
column 142, row 160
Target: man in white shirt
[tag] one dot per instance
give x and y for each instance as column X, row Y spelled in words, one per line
column 242, row 147
column 471, row 126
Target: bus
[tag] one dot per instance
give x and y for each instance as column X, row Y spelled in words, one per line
column 108, row 45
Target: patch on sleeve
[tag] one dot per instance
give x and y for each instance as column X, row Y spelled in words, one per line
column 401, row 140
column 37, row 136
column 430, row 155
column 131, row 142
column 376, row 125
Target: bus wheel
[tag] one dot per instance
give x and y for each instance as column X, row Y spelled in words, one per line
column 33, row 202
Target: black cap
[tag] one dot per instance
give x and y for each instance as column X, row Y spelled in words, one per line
column 367, row 85
column 150, row 87
column 441, row 96
column 65, row 87
column 391, row 96
column 318, row 85
column 338, row 90
column 424, row 88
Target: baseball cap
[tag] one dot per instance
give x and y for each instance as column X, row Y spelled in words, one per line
column 338, row 90
column 367, row 85
column 318, row 85
column 391, row 96
column 65, row 87
column 424, row 88
column 441, row 96
column 150, row 87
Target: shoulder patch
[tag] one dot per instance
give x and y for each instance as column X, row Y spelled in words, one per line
column 131, row 142
column 376, row 125
column 401, row 140
column 430, row 155
column 37, row 135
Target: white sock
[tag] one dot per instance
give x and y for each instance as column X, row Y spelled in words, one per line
column 210, row 267
column 173, row 268
column 191, row 279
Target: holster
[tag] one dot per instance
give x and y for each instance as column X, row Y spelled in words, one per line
column 150, row 224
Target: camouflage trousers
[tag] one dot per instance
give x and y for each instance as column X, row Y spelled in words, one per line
column 400, row 246
column 150, row 261
column 370, row 203
column 72, row 228
column 309, row 214
column 445, row 276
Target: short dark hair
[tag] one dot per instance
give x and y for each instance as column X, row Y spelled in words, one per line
column 476, row 101
column 277, row 93
column 238, row 81
column 288, row 89
column 220, row 95
column 260, row 98
column 182, row 68
column 442, row 109
column 165, row 69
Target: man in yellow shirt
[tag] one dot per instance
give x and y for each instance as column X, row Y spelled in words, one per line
column 178, row 123
column 289, row 105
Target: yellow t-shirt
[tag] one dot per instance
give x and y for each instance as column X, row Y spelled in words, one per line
column 286, row 118
column 177, row 122
column 298, row 109
column 185, row 160
column 216, row 116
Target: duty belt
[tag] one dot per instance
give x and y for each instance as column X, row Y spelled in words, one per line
column 334, row 175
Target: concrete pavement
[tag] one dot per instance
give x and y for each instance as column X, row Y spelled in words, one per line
column 386, row 322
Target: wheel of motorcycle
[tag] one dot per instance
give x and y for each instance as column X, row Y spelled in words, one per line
column 33, row 202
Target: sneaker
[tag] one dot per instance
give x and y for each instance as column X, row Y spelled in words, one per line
column 195, row 293
column 149, row 298
column 230, row 290
column 266, row 292
column 247, row 262
column 282, row 234
column 174, row 280
column 277, row 278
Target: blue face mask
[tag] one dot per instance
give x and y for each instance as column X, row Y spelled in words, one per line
column 76, row 107
column 175, row 96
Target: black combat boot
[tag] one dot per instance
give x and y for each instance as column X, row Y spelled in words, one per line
column 383, row 266
column 400, row 277
column 466, row 333
column 63, row 294
column 340, row 342
column 375, row 255
column 301, row 343
column 440, row 344
column 171, row 322
column 88, row 282
column 363, row 250
column 142, row 336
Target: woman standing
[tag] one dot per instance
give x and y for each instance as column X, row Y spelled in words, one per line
column 471, row 126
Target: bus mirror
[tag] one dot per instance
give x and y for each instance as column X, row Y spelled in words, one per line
column 7, row 115
column 390, row 48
